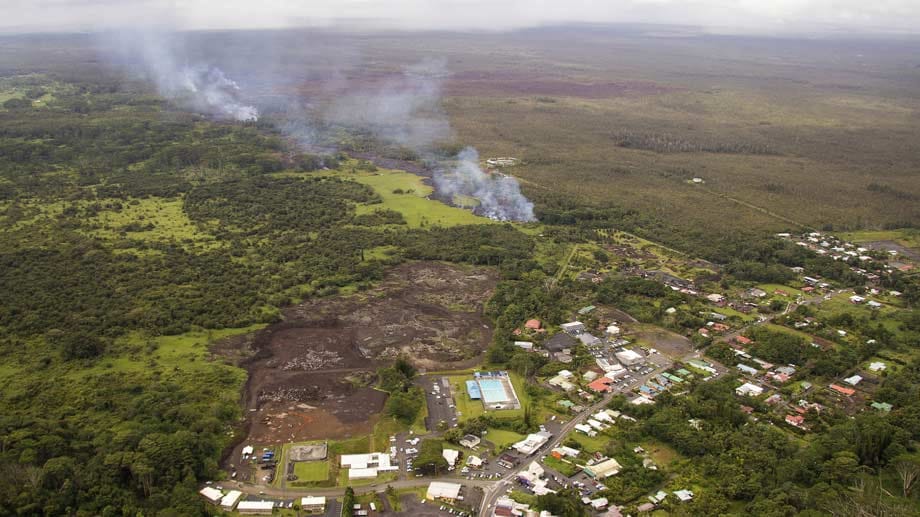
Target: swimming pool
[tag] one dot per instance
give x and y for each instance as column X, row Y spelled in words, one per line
column 493, row 391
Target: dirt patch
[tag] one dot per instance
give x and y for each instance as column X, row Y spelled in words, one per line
column 666, row 342
column 311, row 375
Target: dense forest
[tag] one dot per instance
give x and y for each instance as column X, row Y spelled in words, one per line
column 84, row 436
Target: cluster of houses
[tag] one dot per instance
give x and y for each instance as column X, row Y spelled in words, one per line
column 857, row 256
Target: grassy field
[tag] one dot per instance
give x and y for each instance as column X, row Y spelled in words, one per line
column 501, row 438
column 311, row 470
column 908, row 237
column 589, row 443
column 562, row 466
column 413, row 202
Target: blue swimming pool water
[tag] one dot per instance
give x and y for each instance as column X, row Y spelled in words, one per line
column 493, row 391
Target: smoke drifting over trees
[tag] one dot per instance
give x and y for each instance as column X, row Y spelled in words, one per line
column 405, row 110
column 499, row 195
column 197, row 86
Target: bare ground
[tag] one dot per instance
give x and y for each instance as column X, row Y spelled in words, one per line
column 310, row 376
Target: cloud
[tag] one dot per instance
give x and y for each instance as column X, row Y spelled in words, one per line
column 745, row 16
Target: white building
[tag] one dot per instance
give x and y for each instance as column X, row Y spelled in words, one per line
column 313, row 503
column 613, row 330
column 747, row 369
column 877, row 366
column 363, row 466
column 684, row 495
column 470, row 441
column 854, row 380
column 586, row 429
column 574, row 327
column 715, row 298
column 748, row 389
column 230, row 500
column 255, row 507
column 629, row 357
column 212, row 494
column 443, row 491
column 533, row 442
column 474, row 461
column 524, row 345
column 451, row 456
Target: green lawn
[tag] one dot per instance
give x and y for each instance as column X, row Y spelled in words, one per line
column 415, row 207
column 588, row 443
column 311, row 470
column 564, row 467
column 501, row 438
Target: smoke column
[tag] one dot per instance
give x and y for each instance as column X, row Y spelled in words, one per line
column 499, row 196
column 200, row 87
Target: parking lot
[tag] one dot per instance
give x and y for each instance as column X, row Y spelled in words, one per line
column 440, row 402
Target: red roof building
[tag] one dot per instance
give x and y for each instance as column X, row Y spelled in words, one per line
column 533, row 324
column 601, row 385
column 844, row 391
column 796, row 420
column 741, row 340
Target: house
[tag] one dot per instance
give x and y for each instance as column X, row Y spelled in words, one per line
column 586, row 310
column 439, row 490
column 560, row 382
column 741, row 340
column 795, row 420
column 474, row 461
column 533, row 325
column 590, row 375
column 229, row 501
column 599, row 504
column 857, row 299
column 585, row 429
column 612, row 330
column 601, row 385
column 747, row 369
column 506, row 460
column 211, row 494
column 877, row 366
column 645, row 507
column 629, row 357
column 684, row 495
column 874, row 304
column 843, row 391
column 470, row 441
column 255, row 507
column 757, row 293
column 573, row 328
column 563, row 357
column 657, row 498
column 603, row 469
column 882, row 406
column 640, row 400
column 749, row 390
column 313, row 503
column 715, row 298
column 701, row 365
column 568, row 452
column 450, row 455
column 524, row 345
column 854, row 380
column 561, row 342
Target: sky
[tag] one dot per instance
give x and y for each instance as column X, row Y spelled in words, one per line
column 724, row 16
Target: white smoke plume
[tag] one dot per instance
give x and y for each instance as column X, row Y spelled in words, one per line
column 198, row 86
column 405, row 109
column 499, row 195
